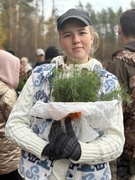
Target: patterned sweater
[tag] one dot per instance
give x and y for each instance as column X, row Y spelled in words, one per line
column 29, row 132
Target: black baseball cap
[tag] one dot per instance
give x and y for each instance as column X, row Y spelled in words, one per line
column 73, row 13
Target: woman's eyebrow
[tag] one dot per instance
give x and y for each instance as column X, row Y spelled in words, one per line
column 67, row 32
column 79, row 29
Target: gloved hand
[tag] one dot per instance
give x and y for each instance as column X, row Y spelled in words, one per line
column 47, row 151
column 63, row 145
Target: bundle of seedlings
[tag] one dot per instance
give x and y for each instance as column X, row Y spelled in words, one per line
column 76, row 86
column 82, row 86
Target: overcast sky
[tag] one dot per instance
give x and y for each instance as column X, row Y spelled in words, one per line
column 97, row 5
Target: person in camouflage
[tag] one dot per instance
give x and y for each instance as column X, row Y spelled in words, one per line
column 123, row 66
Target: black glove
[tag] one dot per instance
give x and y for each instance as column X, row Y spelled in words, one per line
column 47, row 151
column 65, row 145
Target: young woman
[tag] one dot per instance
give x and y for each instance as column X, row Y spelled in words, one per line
column 49, row 153
column 9, row 80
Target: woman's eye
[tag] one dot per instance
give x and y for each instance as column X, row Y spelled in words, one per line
column 67, row 35
column 82, row 32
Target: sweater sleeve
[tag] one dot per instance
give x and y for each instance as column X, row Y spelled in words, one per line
column 109, row 146
column 18, row 125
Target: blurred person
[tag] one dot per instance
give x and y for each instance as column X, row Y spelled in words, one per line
column 50, row 53
column 40, row 57
column 11, row 51
column 23, row 76
column 26, row 64
column 123, row 66
column 9, row 79
column 49, row 152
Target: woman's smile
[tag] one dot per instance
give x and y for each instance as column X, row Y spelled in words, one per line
column 77, row 48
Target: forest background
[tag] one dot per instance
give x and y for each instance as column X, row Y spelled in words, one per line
column 23, row 28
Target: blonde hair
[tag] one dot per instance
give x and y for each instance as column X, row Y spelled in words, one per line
column 95, row 44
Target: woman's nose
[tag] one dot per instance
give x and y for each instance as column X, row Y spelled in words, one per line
column 76, row 39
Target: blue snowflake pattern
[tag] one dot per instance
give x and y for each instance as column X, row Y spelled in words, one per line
column 42, row 127
column 41, row 95
column 21, row 165
column 35, row 129
column 89, row 176
column 106, row 174
column 40, row 80
column 33, row 173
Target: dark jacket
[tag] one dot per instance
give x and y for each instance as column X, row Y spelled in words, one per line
column 123, row 66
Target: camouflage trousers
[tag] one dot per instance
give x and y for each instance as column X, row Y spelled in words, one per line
column 122, row 169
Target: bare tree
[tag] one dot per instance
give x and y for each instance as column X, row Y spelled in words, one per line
column 36, row 26
column 11, row 24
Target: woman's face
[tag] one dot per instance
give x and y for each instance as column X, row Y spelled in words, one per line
column 76, row 40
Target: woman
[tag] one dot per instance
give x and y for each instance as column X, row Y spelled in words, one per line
column 47, row 151
column 9, row 79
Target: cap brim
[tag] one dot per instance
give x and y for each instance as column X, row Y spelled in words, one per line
column 75, row 17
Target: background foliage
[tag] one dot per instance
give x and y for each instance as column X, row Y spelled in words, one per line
column 23, row 28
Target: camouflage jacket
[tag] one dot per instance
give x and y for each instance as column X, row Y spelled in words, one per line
column 123, row 66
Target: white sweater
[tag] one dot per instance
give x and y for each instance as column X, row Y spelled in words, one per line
column 105, row 149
